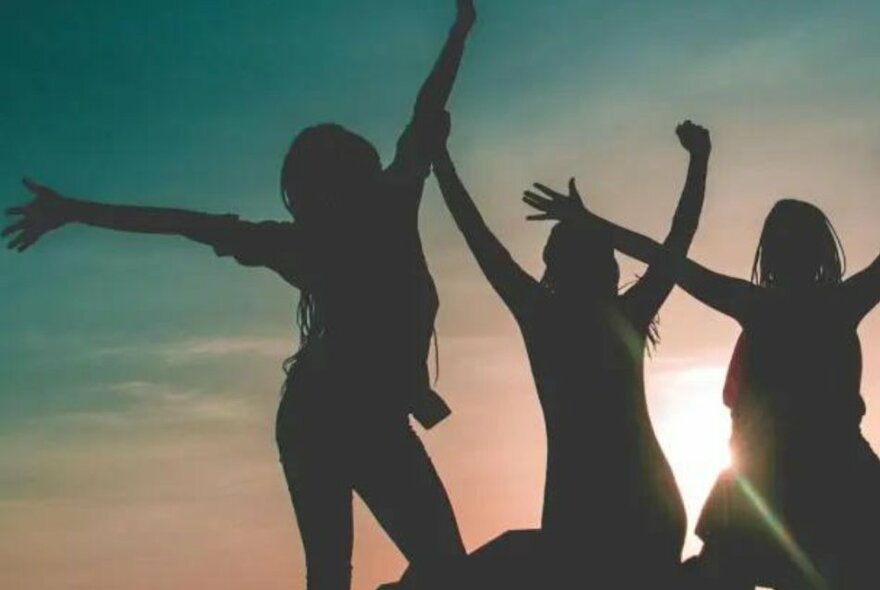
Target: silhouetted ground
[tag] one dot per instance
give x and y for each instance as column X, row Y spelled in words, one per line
column 518, row 560
column 512, row 561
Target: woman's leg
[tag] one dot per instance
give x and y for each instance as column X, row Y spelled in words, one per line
column 322, row 502
column 398, row 482
column 318, row 476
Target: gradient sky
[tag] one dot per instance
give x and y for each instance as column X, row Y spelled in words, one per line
column 140, row 374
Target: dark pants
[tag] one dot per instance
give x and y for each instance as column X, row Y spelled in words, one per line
column 326, row 456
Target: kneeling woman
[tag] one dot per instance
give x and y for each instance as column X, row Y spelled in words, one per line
column 612, row 511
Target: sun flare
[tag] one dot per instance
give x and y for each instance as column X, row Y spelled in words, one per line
column 693, row 427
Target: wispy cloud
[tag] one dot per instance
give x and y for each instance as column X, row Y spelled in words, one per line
column 194, row 349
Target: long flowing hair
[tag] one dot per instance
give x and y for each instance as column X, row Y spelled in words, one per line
column 818, row 239
column 318, row 161
column 321, row 169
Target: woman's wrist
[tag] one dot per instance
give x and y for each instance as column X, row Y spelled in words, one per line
column 701, row 157
column 71, row 209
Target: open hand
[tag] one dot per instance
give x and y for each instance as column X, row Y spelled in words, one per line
column 554, row 205
column 694, row 138
column 47, row 211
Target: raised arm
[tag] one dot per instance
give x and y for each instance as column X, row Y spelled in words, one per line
column 435, row 92
column 511, row 282
column 862, row 291
column 413, row 157
column 252, row 244
column 646, row 297
column 731, row 296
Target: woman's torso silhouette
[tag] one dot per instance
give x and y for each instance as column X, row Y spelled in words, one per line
column 799, row 498
column 798, row 373
column 608, row 484
column 377, row 304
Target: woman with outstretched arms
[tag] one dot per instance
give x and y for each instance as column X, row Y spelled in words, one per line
column 366, row 315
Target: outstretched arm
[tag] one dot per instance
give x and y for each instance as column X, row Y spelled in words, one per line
column 647, row 296
column 435, row 92
column 413, row 157
column 511, row 282
column 731, row 296
column 50, row 210
column 252, row 244
column 862, row 291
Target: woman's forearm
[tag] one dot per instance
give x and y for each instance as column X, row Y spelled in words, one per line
column 511, row 283
column 462, row 207
column 413, row 148
column 629, row 242
column 437, row 88
column 863, row 291
column 137, row 219
column 690, row 205
column 731, row 296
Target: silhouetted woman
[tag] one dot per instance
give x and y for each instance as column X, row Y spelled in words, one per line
column 800, row 508
column 366, row 316
column 612, row 513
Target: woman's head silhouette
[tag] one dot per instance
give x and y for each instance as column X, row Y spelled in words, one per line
column 325, row 170
column 580, row 262
column 798, row 247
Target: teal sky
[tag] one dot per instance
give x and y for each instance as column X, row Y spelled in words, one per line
column 140, row 373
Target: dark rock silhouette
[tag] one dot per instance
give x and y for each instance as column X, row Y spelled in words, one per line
column 524, row 560
column 514, row 560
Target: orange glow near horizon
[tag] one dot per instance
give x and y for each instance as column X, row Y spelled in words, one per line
column 694, row 429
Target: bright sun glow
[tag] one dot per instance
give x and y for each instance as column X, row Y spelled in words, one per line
column 694, row 428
